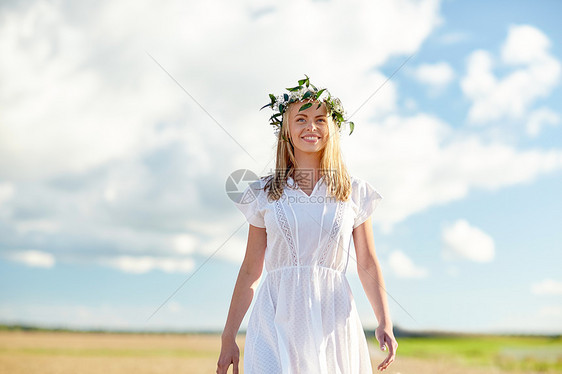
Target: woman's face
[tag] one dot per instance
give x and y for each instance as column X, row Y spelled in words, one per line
column 308, row 129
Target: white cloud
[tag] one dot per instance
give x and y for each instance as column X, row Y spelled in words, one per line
column 462, row 240
column 116, row 160
column 547, row 287
column 525, row 45
column 403, row 266
column 144, row 264
column 32, row 258
column 98, row 97
column 536, row 72
column 420, row 161
column 7, row 191
column 437, row 75
column 184, row 243
column 540, row 118
column 40, row 225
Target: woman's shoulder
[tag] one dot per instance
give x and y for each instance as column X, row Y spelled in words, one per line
column 356, row 181
column 361, row 186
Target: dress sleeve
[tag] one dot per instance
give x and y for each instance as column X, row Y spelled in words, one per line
column 367, row 199
column 249, row 205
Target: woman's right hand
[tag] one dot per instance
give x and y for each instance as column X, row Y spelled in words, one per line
column 230, row 355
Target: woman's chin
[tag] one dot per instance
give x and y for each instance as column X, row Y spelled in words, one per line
column 310, row 148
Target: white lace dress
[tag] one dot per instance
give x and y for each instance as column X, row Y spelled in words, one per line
column 304, row 320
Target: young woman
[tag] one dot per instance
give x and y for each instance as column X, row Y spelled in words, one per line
column 302, row 218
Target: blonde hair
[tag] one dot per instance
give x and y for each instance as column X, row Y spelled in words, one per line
column 332, row 166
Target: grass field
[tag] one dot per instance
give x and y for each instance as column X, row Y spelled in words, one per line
column 74, row 352
column 508, row 353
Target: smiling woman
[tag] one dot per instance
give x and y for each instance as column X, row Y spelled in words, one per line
column 302, row 220
column 308, row 131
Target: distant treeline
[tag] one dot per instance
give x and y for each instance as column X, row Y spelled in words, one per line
column 398, row 332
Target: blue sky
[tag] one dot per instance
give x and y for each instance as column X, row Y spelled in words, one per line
column 112, row 179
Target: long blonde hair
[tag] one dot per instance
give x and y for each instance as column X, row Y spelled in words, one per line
column 332, row 166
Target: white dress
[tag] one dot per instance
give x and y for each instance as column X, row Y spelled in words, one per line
column 304, row 319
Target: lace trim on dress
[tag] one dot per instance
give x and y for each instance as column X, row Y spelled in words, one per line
column 286, row 229
column 336, row 226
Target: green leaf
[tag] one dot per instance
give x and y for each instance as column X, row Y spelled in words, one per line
column 351, row 126
column 294, row 88
column 272, row 98
column 286, row 97
column 305, row 81
column 305, row 106
column 266, row 105
column 281, row 108
column 307, row 95
column 319, row 93
column 319, row 105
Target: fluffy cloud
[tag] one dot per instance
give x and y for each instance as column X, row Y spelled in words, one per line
column 31, row 258
column 7, row 191
column 403, row 266
column 540, row 118
column 437, row 75
column 116, row 164
column 547, row 287
column 461, row 240
column 421, row 161
column 143, row 264
column 97, row 96
column 535, row 73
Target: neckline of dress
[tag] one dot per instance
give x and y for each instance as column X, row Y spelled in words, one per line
column 318, row 183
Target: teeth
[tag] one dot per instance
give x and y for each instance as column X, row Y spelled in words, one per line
column 310, row 138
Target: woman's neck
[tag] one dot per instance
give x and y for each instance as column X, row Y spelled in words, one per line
column 308, row 166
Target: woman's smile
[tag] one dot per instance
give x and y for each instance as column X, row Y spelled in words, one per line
column 311, row 138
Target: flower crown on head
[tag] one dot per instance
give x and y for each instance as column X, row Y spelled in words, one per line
column 306, row 91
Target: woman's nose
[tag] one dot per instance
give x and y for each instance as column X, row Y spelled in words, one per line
column 311, row 125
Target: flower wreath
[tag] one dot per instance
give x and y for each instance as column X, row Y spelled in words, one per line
column 306, row 91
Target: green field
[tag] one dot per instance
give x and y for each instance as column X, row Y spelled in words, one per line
column 509, row 353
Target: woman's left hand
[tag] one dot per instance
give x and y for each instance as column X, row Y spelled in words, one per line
column 386, row 338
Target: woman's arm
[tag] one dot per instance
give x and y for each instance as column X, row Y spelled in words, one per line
column 370, row 274
column 248, row 278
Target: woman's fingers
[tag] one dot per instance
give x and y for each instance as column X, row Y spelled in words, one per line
column 235, row 366
column 230, row 355
column 222, row 369
column 224, row 364
column 392, row 345
column 388, row 360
